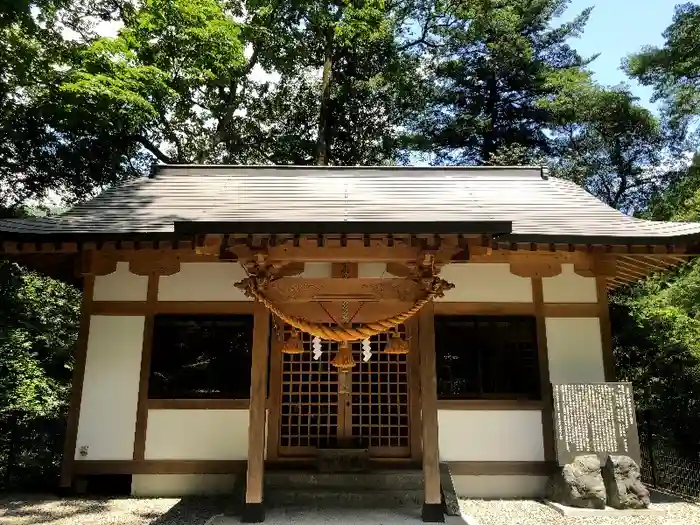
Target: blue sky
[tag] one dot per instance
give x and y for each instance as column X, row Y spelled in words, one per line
column 617, row 28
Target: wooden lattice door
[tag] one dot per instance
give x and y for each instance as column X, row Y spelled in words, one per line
column 374, row 412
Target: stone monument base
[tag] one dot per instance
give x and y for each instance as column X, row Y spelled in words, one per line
column 579, row 512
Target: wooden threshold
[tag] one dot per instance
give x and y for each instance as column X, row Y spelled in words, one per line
column 158, row 466
column 198, row 404
column 195, row 466
column 501, row 468
column 489, row 404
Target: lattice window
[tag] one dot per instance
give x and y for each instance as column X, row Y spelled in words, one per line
column 487, row 357
column 373, row 414
column 309, row 403
column 380, row 397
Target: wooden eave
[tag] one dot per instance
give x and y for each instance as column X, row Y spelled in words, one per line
column 57, row 254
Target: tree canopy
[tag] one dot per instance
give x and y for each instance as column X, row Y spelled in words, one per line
column 340, row 82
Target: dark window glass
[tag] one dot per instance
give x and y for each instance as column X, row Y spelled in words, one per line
column 201, row 356
column 480, row 357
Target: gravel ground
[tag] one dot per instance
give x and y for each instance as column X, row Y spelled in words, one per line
column 528, row 512
column 38, row 510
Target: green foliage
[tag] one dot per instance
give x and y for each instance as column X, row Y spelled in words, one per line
column 674, row 69
column 494, row 67
column 39, row 328
column 339, row 82
column 606, row 142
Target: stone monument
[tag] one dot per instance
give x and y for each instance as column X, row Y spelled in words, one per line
column 594, row 425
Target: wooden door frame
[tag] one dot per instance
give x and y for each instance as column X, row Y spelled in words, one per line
column 414, row 414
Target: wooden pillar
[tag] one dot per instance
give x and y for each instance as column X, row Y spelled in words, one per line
column 253, row 511
column 605, row 328
column 146, row 348
column 432, row 511
column 543, row 359
column 66, row 480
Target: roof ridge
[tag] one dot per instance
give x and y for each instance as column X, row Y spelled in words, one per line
column 228, row 170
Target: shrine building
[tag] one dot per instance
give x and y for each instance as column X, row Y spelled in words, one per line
column 238, row 320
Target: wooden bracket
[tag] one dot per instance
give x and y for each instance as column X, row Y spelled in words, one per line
column 535, row 268
column 158, row 263
column 596, row 266
column 92, row 262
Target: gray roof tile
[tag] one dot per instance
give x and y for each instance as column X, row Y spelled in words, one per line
column 540, row 208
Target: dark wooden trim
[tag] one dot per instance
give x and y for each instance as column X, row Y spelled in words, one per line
column 605, row 329
column 429, row 415
column 459, row 308
column 257, row 411
column 199, row 466
column 549, row 309
column 543, row 358
column 172, row 307
column 338, row 267
column 67, row 464
column 414, row 389
column 489, row 404
column 274, row 398
column 501, row 468
column 142, row 407
column 340, row 227
column 198, row 404
column 570, row 309
column 160, row 466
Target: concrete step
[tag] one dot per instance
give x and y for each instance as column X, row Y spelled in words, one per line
column 400, row 480
column 358, row 498
column 373, row 489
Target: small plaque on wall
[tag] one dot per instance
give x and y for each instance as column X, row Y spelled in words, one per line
column 594, row 418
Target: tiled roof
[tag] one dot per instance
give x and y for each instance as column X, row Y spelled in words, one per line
column 541, row 209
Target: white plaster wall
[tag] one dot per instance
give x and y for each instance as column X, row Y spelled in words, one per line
column 372, row 270
column 111, row 387
column 178, row 485
column 575, row 350
column 314, row 270
column 205, row 281
column 499, row 487
column 490, row 435
column 569, row 287
column 120, row 285
column 197, row 434
column 486, row 283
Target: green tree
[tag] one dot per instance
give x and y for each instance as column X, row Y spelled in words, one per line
column 606, row 142
column 673, row 70
column 491, row 68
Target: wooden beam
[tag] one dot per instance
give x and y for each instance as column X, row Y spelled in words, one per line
column 543, row 358
column 147, row 346
column 414, row 359
column 655, row 262
column 489, row 404
column 501, row 468
column 351, row 253
column 198, row 404
column 569, row 309
column 159, row 466
column 274, row 401
column 68, row 462
column 605, row 331
column 253, row 511
column 172, row 307
column 432, row 506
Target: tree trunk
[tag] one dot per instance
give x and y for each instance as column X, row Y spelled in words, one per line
column 324, row 132
column 488, row 146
